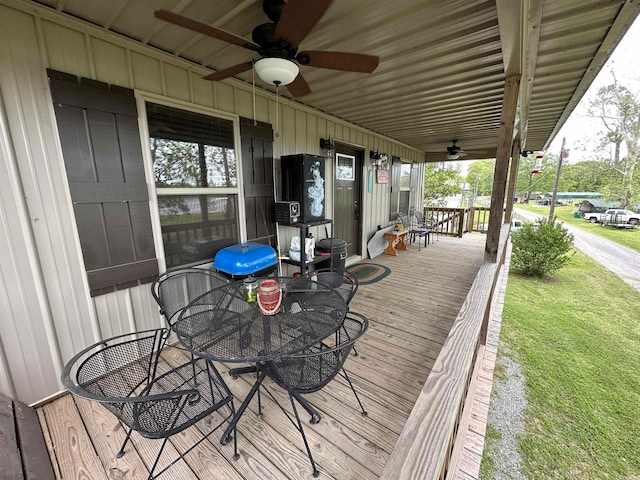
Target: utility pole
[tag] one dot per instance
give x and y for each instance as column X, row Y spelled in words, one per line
column 555, row 184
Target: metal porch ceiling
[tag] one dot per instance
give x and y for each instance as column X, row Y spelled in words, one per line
column 442, row 63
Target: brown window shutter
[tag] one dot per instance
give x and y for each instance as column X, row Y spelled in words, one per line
column 98, row 128
column 257, row 168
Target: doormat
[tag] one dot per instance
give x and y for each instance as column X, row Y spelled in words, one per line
column 367, row 273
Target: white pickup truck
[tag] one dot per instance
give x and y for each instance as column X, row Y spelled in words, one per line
column 614, row 217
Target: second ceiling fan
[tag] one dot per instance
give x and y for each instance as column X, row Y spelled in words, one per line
column 277, row 44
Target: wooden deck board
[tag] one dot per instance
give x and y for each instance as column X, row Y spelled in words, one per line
column 410, row 313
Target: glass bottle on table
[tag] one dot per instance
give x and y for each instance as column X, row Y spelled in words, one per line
column 250, row 289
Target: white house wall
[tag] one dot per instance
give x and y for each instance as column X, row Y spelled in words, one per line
column 46, row 312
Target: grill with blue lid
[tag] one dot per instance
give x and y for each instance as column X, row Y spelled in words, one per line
column 245, row 259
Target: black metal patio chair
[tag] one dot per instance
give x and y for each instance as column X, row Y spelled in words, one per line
column 344, row 283
column 313, row 369
column 418, row 229
column 422, row 223
column 123, row 374
column 173, row 291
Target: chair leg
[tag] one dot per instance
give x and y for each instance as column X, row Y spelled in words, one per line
column 346, row 377
column 155, row 464
column 304, row 437
column 315, row 415
column 236, row 455
column 258, row 392
column 120, row 454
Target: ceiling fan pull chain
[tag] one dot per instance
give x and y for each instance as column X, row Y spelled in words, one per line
column 253, row 83
column 277, row 110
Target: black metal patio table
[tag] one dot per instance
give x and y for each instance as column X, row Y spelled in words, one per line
column 221, row 326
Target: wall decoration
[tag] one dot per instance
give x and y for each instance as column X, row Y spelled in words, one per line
column 382, row 176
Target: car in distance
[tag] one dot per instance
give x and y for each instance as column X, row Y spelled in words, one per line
column 615, row 217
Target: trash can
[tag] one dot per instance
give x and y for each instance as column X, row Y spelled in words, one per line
column 337, row 248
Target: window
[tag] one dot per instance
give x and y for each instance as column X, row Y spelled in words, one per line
column 400, row 187
column 195, row 172
column 345, row 167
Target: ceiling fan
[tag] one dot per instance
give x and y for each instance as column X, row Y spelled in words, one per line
column 277, row 44
column 454, row 151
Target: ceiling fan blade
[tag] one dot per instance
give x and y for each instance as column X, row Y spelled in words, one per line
column 298, row 18
column 299, row 86
column 229, row 72
column 349, row 62
column 205, row 29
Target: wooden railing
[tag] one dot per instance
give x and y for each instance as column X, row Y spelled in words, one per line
column 445, row 221
column 456, row 221
column 477, row 219
column 427, row 441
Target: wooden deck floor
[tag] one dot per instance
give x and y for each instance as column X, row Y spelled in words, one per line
column 410, row 313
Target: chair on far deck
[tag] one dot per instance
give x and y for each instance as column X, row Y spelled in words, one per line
column 422, row 222
column 120, row 373
column 313, row 369
column 417, row 230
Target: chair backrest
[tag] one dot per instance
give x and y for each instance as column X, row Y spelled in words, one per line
column 175, row 290
column 120, row 373
column 343, row 282
column 311, row 370
column 116, row 367
column 404, row 219
column 419, row 218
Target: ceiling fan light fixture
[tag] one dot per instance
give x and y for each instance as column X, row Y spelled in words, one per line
column 276, row 71
column 453, row 156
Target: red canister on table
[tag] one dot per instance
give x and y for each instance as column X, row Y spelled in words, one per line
column 269, row 297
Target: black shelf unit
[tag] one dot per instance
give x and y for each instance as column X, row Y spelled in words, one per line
column 304, row 230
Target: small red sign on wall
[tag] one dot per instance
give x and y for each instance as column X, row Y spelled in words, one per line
column 383, row 176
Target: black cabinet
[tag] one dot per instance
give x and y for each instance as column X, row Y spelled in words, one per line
column 303, row 181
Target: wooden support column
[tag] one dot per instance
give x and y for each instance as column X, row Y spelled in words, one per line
column 513, row 177
column 505, row 141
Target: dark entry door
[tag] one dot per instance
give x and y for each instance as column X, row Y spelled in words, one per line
column 348, row 197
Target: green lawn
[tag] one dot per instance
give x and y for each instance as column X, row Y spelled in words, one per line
column 577, row 338
column 629, row 237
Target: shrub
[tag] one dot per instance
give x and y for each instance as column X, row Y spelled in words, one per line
column 541, row 249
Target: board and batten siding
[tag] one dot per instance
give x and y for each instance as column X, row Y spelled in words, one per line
column 47, row 313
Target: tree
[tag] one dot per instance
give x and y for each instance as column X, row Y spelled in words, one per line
column 590, row 176
column 619, row 110
column 439, row 183
column 480, row 173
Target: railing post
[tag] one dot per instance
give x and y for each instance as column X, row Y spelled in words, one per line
column 513, row 176
column 505, row 142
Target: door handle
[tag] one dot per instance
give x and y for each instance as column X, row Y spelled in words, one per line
column 356, row 208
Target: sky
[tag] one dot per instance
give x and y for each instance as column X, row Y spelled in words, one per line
column 579, row 130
